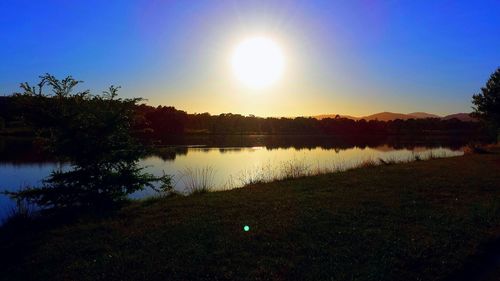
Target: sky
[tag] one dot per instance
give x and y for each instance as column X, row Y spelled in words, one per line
column 341, row 57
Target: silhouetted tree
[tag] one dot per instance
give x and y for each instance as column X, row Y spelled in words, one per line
column 487, row 103
column 164, row 123
column 92, row 132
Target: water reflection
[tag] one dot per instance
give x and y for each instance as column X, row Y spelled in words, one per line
column 236, row 166
column 178, row 146
column 21, row 151
column 313, row 141
column 233, row 158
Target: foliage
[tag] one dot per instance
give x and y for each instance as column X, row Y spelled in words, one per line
column 160, row 123
column 93, row 134
column 487, row 103
column 162, row 120
column 166, row 121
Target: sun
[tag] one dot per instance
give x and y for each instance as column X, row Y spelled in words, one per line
column 258, row 62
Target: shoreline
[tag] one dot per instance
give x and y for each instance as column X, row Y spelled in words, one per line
column 423, row 219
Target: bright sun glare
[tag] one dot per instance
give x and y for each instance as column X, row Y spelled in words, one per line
column 258, row 62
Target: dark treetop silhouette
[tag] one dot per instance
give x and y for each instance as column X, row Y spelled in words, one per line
column 93, row 133
column 487, row 103
column 162, row 122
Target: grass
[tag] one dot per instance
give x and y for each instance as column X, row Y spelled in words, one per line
column 283, row 170
column 22, row 212
column 298, row 168
column 198, row 180
column 424, row 220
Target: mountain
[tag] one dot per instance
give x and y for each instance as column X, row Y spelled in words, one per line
column 324, row 116
column 419, row 115
column 387, row 116
column 460, row 116
column 382, row 116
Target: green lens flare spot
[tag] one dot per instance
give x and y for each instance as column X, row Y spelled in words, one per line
column 246, row 228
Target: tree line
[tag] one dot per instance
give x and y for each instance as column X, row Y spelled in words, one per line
column 161, row 122
column 164, row 121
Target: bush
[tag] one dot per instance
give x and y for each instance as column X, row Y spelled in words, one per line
column 93, row 133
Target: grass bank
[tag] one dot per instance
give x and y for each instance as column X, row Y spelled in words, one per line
column 425, row 220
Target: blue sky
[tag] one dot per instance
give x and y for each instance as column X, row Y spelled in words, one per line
column 347, row 57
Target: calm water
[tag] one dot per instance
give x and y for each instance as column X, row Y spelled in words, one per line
column 233, row 161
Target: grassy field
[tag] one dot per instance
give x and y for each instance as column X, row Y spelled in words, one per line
column 426, row 220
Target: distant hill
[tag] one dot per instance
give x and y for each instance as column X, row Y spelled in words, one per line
column 324, row 116
column 387, row 116
column 424, row 115
column 460, row 116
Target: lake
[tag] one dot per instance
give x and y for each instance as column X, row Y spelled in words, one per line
column 232, row 161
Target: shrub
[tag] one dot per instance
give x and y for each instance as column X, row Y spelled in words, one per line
column 93, row 133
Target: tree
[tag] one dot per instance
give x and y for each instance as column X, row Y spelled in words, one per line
column 487, row 103
column 93, row 134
